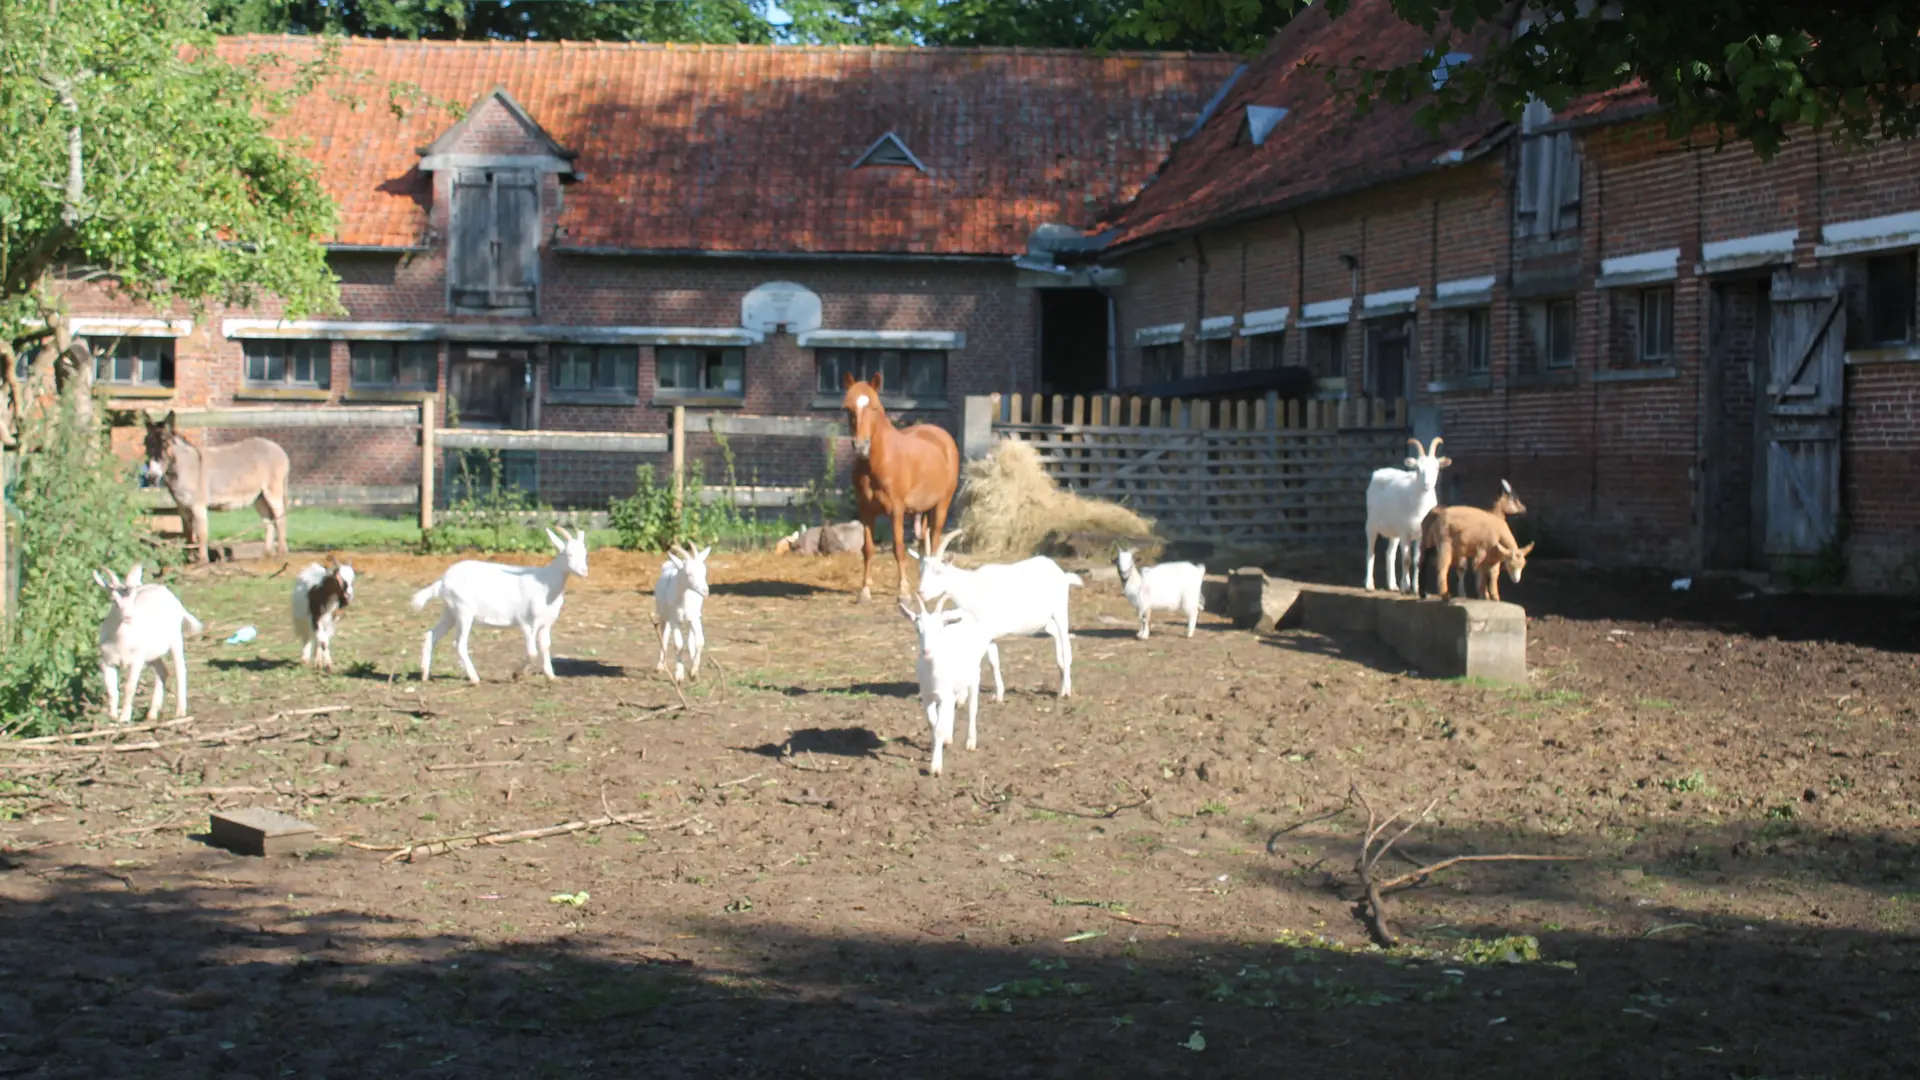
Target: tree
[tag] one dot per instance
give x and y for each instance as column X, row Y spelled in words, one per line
column 137, row 159
column 1055, row 24
column 1748, row 72
column 708, row 21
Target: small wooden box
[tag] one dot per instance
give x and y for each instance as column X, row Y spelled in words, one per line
column 257, row 830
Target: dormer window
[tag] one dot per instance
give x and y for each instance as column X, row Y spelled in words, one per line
column 494, row 165
column 889, row 151
column 1259, row 123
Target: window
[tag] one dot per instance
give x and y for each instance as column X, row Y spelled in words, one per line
column 1160, row 363
column 1266, row 351
column 1550, row 334
column 589, row 369
column 396, row 365
column 1216, row 356
column 289, row 363
column 1888, row 319
column 700, row 370
column 1389, row 355
column 1547, row 185
column 1468, row 347
column 913, row 373
column 494, row 240
column 1327, row 352
column 1656, row 326
column 131, row 361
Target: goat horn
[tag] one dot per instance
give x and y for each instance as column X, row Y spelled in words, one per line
column 1434, row 447
column 1418, row 450
column 945, row 540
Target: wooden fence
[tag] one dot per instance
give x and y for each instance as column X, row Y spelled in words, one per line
column 434, row 439
column 1256, row 472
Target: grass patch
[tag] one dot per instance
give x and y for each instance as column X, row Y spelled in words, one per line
column 323, row 528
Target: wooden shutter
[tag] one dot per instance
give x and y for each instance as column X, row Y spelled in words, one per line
column 1566, row 183
column 495, row 262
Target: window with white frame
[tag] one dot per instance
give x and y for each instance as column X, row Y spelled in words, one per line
column 288, row 364
column 594, row 369
column 1879, row 292
column 1549, row 342
column 703, row 370
column 912, row 373
column 1265, row 352
column 394, row 365
column 1466, row 346
column 1327, row 351
column 1160, row 363
column 132, row 361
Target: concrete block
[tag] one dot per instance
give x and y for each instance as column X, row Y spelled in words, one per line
column 257, row 830
column 1474, row 638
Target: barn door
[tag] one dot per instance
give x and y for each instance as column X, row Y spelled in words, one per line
column 1802, row 401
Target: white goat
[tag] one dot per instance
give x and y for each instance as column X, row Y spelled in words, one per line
column 678, row 598
column 144, row 625
column 952, row 644
column 1398, row 502
column 1010, row 600
column 493, row 594
column 320, row 593
column 1173, row 586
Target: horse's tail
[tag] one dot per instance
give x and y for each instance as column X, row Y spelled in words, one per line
column 428, row 594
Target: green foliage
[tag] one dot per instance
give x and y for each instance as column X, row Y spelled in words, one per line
column 484, row 513
column 136, row 157
column 709, row 21
column 74, row 513
column 825, row 500
column 1740, row 72
column 648, row 520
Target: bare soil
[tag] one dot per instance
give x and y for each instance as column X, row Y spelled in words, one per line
column 1152, row 878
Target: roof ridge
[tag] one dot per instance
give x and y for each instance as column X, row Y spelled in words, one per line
column 667, row 46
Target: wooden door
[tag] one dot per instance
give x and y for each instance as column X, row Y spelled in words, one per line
column 1802, row 401
column 489, row 386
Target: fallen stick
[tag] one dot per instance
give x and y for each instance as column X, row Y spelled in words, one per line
column 471, row 765
column 1136, row 920
column 1416, row 876
column 101, row 733
column 179, row 793
column 737, row 783
column 441, row 845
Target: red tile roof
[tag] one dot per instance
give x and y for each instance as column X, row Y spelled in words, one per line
column 1605, row 107
column 1321, row 148
column 748, row 148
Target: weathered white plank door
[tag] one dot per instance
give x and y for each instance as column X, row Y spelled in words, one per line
column 1804, row 399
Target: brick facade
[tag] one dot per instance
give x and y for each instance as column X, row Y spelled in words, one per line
column 1636, row 453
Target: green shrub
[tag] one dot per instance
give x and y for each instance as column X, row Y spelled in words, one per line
column 74, row 511
column 484, row 513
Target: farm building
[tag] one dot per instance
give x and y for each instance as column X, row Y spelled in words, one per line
column 581, row 236
column 1679, row 356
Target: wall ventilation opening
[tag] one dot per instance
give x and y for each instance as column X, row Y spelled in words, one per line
column 1260, row 122
column 888, row 150
column 1446, row 65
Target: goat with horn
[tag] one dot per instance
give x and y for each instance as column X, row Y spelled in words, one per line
column 1398, row 502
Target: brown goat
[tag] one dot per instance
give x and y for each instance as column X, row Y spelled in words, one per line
column 1505, row 505
column 1473, row 539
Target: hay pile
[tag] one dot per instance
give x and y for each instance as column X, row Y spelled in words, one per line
column 1013, row 505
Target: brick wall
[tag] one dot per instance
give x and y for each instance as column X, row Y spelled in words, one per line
column 1619, row 459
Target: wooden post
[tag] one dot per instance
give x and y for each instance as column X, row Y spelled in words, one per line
column 679, row 453
column 427, row 453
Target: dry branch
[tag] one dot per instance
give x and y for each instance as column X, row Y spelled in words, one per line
column 1370, row 907
column 62, row 744
column 471, row 765
column 443, row 844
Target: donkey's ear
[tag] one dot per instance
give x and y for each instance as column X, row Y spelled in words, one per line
column 169, row 421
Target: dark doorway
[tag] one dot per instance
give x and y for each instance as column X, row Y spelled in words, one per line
column 490, row 386
column 1073, row 341
column 1739, row 327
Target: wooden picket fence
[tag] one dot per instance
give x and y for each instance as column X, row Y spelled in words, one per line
column 1259, row 472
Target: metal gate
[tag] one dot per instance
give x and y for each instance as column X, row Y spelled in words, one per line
column 1803, row 404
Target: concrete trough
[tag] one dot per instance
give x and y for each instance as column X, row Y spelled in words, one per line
column 1482, row 639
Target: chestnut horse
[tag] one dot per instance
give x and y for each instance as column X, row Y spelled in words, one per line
column 896, row 472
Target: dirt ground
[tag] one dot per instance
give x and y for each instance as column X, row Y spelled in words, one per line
column 1149, row 879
